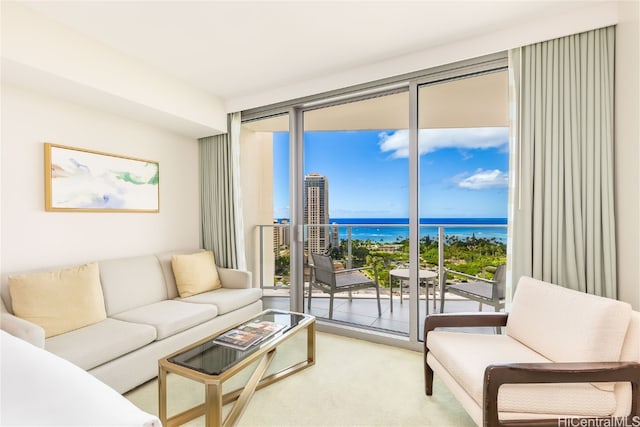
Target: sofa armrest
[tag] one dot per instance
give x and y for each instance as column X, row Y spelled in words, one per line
column 461, row 320
column 455, row 320
column 23, row 329
column 537, row 373
column 234, row 279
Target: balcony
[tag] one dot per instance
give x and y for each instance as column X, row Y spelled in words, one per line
column 461, row 247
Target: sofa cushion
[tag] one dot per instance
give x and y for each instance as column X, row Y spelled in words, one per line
column 565, row 325
column 169, row 317
column 132, row 282
column 195, row 273
column 101, row 342
column 59, row 301
column 165, row 259
column 227, row 299
column 466, row 355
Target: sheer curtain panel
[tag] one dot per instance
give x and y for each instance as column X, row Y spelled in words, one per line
column 563, row 228
column 220, row 199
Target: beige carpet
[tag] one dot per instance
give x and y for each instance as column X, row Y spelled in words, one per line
column 353, row 383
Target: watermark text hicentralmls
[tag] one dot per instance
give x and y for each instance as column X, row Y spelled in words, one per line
column 599, row 422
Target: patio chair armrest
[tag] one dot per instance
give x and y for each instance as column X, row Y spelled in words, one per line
column 537, row 373
column 461, row 320
column 349, row 270
column 469, row 276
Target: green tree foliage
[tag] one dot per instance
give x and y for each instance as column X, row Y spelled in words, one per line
column 468, row 255
column 282, row 268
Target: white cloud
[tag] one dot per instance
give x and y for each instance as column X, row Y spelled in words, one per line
column 482, row 179
column 397, row 143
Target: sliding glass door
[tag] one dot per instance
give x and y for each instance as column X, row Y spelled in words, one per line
column 464, row 169
column 402, row 180
column 356, row 208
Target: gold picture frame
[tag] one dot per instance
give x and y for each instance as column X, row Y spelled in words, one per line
column 80, row 180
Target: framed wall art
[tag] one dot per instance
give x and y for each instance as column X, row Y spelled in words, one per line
column 90, row 181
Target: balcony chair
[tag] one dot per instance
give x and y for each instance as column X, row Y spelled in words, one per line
column 484, row 291
column 325, row 277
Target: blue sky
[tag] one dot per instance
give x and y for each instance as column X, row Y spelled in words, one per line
column 463, row 172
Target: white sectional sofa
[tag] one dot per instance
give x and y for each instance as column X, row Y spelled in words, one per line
column 144, row 318
column 564, row 356
column 42, row 389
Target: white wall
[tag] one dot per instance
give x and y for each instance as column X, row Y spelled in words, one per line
column 256, row 168
column 33, row 238
column 42, row 53
column 627, row 152
column 593, row 15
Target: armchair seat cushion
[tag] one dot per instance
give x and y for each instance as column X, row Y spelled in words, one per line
column 468, row 355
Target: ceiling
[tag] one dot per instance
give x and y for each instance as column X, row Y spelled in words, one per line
column 478, row 101
column 281, row 43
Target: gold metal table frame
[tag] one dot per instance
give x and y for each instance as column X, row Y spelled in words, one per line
column 214, row 398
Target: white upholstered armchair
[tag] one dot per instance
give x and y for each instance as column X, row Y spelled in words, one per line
column 565, row 355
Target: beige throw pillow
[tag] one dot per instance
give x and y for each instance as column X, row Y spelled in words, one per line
column 59, row 301
column 195, row 273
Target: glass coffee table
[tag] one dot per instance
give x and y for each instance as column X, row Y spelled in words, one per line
column 212, row 364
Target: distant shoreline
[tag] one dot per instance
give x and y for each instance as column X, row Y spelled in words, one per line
column 424, row 221
column 390, row 230
column 427, row 221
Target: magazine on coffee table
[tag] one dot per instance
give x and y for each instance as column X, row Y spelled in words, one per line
column 244, row 336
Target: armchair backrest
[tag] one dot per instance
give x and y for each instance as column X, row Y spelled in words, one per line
column 566, row 325
column 323, row 269
column 631, row 346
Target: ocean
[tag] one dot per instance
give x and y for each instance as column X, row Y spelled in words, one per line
column 389, row 230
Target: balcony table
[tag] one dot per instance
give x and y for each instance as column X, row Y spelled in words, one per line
column 402, row 274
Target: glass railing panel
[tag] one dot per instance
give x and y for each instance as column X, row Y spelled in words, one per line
column 465, row 248
column 273, row 259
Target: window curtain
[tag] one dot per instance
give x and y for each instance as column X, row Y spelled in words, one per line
column 220, row 198
column 562, row 215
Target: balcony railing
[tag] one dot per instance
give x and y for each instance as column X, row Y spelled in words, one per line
column 467, row 248
column 463, row 247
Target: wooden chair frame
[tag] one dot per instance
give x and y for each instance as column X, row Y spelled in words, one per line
column 533, row 373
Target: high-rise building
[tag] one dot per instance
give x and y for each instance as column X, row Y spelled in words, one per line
column 277, row 238
column 335, row 235
column 280, row 235
column 316, row 211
